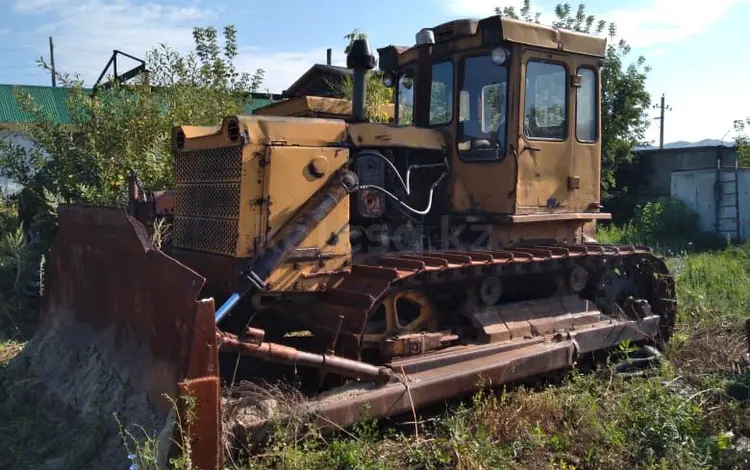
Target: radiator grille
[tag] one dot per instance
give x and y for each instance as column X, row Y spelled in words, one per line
column 210, row 235
column 207, row 200
column 211, row 165
column 219, row 200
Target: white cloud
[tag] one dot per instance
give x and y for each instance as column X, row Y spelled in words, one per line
column 656, row 22
column 35, row 5
column 666, row 21
column 86, row 31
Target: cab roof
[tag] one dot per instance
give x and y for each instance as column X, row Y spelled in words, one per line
column 468, row 33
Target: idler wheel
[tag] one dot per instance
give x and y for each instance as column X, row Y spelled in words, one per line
column 578, row 279
column 490, row 290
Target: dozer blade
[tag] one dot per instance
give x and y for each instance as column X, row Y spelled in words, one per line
column 121, row 330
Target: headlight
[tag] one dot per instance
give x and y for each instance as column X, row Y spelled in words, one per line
column 499, row 55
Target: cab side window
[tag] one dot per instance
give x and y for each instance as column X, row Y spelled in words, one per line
column 586, row 106
column 545, row 103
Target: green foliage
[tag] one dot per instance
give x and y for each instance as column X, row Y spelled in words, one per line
column 587, row 422
column 440, row 98
column 742, row 141
column 625, row 100
column 145, row 452
column 713, row 285
column 665, row 220
column 524, row 12
column 665, row 225
column 19, row 277
column 128, row 127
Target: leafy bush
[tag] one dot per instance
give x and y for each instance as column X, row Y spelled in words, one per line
column 665, row 220
column 666, row 224
column 21, row 263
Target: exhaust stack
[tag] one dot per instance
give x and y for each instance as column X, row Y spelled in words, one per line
column 360, row 60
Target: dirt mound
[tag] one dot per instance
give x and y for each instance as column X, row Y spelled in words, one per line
column 71, row 389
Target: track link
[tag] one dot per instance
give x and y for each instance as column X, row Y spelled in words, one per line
column 375, row 277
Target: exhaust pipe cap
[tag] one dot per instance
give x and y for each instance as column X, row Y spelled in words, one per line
column 360, row 55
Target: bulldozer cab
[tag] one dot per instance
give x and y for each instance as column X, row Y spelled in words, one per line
column 519, row 105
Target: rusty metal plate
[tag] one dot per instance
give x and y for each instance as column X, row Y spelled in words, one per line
column 109, row 291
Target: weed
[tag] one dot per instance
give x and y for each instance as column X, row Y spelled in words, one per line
column 9, row 350
column 149, row 452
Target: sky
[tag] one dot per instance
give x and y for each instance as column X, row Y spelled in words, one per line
column 694, row 48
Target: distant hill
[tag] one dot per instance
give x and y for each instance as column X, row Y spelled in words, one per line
column 685, row 144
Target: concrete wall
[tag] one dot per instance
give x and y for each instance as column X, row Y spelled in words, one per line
column 662, row 163
column 723, row 208
column 6, row 185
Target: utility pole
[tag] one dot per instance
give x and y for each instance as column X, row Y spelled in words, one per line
column 52, row 62
column 661, row 120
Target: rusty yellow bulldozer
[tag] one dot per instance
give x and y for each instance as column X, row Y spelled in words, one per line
column 384, row 266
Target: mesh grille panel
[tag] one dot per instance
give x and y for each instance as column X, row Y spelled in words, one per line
column 221, row 200
column 211, row 235
column 202, row 166
column 207, row 200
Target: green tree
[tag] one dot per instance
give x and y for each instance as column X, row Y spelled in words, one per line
column 742, row 141
column 625, row 100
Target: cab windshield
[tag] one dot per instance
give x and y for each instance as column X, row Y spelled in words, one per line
column 482, row 109
column 441, row 95
column 482, row 128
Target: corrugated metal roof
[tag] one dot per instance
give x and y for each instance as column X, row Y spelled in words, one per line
column 257, row 103
column 54, row 102
column 51, row 100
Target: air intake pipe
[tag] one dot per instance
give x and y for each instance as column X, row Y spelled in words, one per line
column 360, row 59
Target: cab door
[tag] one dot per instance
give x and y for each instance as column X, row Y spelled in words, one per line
column 544, row 141
column 585, row 128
